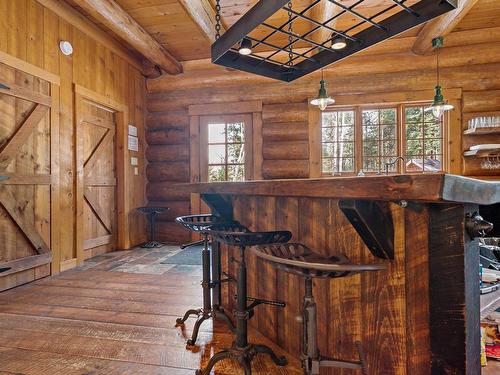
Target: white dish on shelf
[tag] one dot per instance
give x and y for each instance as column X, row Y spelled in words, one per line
column 489, row 146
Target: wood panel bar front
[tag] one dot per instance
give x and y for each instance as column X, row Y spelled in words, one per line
column 418, row 317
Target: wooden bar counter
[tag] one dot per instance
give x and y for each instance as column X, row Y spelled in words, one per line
column 419, row 317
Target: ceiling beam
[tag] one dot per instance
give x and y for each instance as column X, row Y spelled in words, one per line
column 321, row 13
column 441, row 26
column 111, row 15
column 203, row 15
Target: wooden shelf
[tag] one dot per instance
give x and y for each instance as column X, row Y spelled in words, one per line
column 489, row 303
column 483, row 153
column 483, row 131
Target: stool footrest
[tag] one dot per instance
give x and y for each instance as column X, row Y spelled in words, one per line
column 260, row 301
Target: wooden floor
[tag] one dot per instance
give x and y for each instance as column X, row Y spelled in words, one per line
column 114, row 315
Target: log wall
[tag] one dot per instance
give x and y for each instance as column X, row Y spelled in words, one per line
column 168, row 156
column 30, row 31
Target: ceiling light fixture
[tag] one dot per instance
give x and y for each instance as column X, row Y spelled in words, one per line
column 323, row 100
column 274, row 26
column 339, row 42
column 439, row 105
column 245, row 47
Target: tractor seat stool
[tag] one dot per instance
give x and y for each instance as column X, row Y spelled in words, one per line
column 300, row 260
column 200, row 224
column 151, row 213
column 241, row 350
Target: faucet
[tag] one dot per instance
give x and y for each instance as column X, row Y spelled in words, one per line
column 387, row 165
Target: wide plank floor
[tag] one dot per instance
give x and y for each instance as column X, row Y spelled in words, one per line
column 115, row 315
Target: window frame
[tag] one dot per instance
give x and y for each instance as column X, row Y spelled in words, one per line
column 339, row 109
column 400, row 136
column 246, row 119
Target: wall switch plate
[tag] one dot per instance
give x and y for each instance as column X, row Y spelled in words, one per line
column 136, row 171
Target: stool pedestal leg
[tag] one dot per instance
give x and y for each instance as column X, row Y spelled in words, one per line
column 241, row 351
column 207, row 311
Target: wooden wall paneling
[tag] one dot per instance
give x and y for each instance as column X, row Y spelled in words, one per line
column 289, row 287
column 417, row 273
column 31, row 36
column 67, row 144
column 267, row 316
column 383, row 305
column 80, row 22
column 346, row 325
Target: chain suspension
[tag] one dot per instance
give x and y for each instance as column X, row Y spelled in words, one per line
column 290, row 37
column 217, row 19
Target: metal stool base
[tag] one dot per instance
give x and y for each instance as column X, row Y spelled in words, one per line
column 151, row 245
column 202, row 315
column 244, row 356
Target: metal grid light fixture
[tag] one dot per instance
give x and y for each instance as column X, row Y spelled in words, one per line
column 439, row 105
column 323, row 100
column 261, row 33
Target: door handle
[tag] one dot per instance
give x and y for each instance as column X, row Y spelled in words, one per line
column 3, row 178
column 2, row 86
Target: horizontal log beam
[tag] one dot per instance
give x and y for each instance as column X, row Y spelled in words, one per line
column 441, row 26
column 203, row 15
column 470, row 77
column 122, row 24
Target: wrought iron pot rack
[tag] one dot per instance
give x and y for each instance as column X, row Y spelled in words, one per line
column 393, row 19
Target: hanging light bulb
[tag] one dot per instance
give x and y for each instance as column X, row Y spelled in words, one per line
column 323, row 100
column 245, row 47
column 439, row 105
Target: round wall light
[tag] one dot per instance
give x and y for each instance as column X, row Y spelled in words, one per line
column 66, row 47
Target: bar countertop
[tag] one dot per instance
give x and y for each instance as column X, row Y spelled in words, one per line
column 423, row 187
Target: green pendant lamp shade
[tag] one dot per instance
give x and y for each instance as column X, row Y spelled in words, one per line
column 439, row 105
column 322, row 100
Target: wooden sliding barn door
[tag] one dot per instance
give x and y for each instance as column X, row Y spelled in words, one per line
column 96, row 182
column 25, row 177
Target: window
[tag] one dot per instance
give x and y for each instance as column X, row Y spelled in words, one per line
column 337, row 130
column 368, row 138
column 379, row 138
column 424, row 140
column 226, row 150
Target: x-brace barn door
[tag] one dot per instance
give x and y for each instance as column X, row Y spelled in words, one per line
column 25, row 177
column 96, row 200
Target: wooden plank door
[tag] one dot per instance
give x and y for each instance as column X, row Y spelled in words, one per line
column 25, row 177
column 96, row 182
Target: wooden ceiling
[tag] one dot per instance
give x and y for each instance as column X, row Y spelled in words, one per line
column 168, row 22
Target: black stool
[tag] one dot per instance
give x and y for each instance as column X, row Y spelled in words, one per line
column 300, row 260
column 151, row 213
column 200, row 224
column 241, row 350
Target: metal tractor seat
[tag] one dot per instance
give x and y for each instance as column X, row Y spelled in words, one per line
column 211, row 280
column 298, row 259
column 241, row 351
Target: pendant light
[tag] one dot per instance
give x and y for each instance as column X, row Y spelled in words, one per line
column 323, row 100
column 439, row 105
